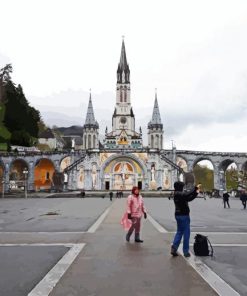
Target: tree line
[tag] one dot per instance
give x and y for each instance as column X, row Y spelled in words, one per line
column 20, row 123
column 205, row 176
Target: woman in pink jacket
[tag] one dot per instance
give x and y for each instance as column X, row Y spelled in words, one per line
column 135, row 209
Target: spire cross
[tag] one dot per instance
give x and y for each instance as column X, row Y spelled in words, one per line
column 123, row 37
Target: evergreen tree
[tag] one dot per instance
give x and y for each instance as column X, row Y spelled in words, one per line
column 4, row 78
column 4, row 133
column 20, row 118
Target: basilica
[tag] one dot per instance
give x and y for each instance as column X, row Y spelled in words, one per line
column 121, row 161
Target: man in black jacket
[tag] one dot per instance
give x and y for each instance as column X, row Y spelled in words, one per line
column 182, row 215
column 226, row 199
column 243, row 198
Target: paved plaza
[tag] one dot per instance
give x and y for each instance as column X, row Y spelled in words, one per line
column 74, row 246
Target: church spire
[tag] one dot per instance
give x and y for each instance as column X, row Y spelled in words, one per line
column 90, row 119
column 90, row 133
column 123, row 71
column 155, row 128
column 156, row 119
column 123, row 59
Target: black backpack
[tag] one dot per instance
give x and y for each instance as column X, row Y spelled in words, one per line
column 201, row 246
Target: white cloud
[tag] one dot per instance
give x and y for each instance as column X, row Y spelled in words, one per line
column 223, row 137
column 193, row 51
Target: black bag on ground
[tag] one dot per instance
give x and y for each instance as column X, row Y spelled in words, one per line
column 201, row 246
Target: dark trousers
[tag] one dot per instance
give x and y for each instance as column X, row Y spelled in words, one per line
column 244, row 203
column 136, row 225
column 226, row 202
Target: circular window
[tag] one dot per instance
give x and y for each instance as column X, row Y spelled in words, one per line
column 123, row 120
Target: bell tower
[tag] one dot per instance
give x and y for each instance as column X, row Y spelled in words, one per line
column 90, row 128
column 155, row 128
column 123, row 119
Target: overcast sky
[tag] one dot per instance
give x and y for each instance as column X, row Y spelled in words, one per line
column 193, row 52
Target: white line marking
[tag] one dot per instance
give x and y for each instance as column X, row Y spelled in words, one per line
column 38, row 244
column 216, row 282
column 42, row 232
column 213, row 233
column 156, row 225
column 97, row 223
column 46, row 285
column 151, row 220
column 230, row 226
column 227, row 245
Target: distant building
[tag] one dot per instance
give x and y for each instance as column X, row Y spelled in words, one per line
column 78, row 144
column 51, row 139
column 121, row 161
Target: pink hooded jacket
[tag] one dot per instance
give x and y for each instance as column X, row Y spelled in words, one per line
column 135, row 205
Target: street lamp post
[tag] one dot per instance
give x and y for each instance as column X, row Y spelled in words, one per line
column 2, row 187
column 25, row 172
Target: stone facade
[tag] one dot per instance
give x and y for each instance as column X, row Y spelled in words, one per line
column 112, row 169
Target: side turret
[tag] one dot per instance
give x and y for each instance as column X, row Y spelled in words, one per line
column 90, row 129
column 155, row 128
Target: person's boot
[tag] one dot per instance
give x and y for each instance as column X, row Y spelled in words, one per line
column 137, row 238
column 128, row 237
column 174, row 251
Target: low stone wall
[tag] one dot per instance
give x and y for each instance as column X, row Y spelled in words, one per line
column 77, row 193
column 105, row 194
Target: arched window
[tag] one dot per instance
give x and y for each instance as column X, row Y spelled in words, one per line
column 89, row 141
column 152, row 141
column 85, row 142
column 94, row 141
column 121, row 95
column 125, row 96
column 157, row 141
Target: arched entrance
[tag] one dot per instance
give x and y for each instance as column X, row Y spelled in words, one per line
column 123, row 176
column 17, row 178
column 182, row 163
column 231, row 177
column 43, row 173
column 65, row 163
column 204, row 173
column 122, row 173
column 81, row 178
column 228, row 175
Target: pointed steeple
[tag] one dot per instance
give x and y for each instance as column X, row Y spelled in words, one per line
column 123, row 59
column 155, row 128
column 123, row 71
column 90, row 119
column 156, row 119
